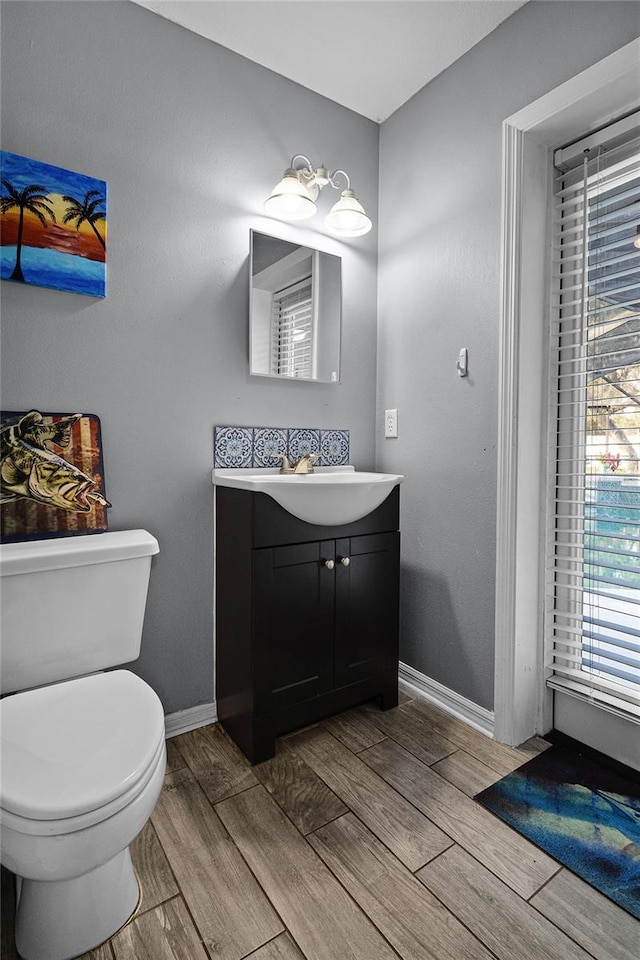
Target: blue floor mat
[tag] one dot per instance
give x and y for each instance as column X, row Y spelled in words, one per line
column 583, row 813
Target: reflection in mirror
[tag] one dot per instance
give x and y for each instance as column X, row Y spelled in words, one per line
column 295, row 311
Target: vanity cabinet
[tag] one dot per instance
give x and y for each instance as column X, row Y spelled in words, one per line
column 306, row 616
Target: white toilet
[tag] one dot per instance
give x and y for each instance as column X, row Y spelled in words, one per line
column 83, row 752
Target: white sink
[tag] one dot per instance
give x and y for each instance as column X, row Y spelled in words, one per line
column 330, row 496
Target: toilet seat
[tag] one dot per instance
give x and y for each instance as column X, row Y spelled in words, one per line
column 82, row 821
column 76, row 752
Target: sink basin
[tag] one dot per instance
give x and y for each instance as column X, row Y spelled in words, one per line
column 329, row 497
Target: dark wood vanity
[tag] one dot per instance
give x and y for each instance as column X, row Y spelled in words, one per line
column 306, row 616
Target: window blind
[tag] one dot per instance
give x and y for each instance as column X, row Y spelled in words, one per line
column 592, row 602
column 292, row 321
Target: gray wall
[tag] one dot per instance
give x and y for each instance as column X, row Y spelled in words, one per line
column 191, row 138
column 439, row 290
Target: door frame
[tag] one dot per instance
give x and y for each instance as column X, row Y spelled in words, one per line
column 598, row 95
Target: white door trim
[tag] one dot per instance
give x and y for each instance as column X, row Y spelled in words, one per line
column 601, row 93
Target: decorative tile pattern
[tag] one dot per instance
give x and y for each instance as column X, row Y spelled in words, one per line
column 233, row 446
column 256, row 446
column 268, row 441
column 334, row 447
column 303, row 441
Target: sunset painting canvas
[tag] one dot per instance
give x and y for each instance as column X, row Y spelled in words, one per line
column 53, row 226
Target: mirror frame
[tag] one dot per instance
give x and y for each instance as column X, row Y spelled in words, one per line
column 333, row 366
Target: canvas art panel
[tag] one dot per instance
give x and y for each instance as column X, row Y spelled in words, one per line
column 53, row 226
column 51, row 475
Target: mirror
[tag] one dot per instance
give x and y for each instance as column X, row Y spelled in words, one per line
column 295, row 311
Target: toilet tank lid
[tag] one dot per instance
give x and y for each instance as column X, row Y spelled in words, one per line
column 36, row 555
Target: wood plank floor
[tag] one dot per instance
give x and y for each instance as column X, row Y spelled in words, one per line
column 360, row 840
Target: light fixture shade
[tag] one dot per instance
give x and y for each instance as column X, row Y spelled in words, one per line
column 347, row 217
column 290, row 199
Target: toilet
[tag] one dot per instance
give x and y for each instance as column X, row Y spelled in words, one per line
column 82, row 747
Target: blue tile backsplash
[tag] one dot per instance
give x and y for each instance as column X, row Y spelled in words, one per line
column 255, row 446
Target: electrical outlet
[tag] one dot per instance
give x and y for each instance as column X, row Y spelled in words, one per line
column 391, row 423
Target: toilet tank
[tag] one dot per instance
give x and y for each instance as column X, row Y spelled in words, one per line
column 71, row 606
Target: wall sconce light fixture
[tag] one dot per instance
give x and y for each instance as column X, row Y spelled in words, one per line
column 636, row 242
column 294, row 198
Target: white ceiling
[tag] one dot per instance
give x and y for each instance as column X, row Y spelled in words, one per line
column 368, row 55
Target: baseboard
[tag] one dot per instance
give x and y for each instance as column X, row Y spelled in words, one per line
column 448, row 700
column 416, row 683
column 183, row 720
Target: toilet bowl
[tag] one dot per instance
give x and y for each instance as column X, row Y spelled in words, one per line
column 82, row 759
column 82, row 767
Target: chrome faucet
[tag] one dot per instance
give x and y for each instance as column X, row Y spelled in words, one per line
column 303, row 465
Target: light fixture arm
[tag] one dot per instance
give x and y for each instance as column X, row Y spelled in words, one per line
column 307, row 171
column 335, row 174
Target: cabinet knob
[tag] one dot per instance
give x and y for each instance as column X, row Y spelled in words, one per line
column 345, row 561
column 329, row 564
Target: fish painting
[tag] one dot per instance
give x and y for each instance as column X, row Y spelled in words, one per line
column 51, row 475
column 29, row 469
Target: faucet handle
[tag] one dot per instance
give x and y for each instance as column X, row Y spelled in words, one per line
column 305, row 463
column 286, row 466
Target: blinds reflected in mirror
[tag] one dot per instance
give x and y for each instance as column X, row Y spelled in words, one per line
column 291, row 335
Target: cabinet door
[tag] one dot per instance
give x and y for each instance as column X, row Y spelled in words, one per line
column 292, row 624
column 366, row 606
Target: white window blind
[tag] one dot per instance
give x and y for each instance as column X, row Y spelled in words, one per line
column 292, row 321
column 592, row 602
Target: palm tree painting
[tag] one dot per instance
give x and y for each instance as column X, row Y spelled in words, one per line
column 53, row 226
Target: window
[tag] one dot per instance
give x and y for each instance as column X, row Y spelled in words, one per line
column 292, row 321
column 524, row 704
column 592, row 604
